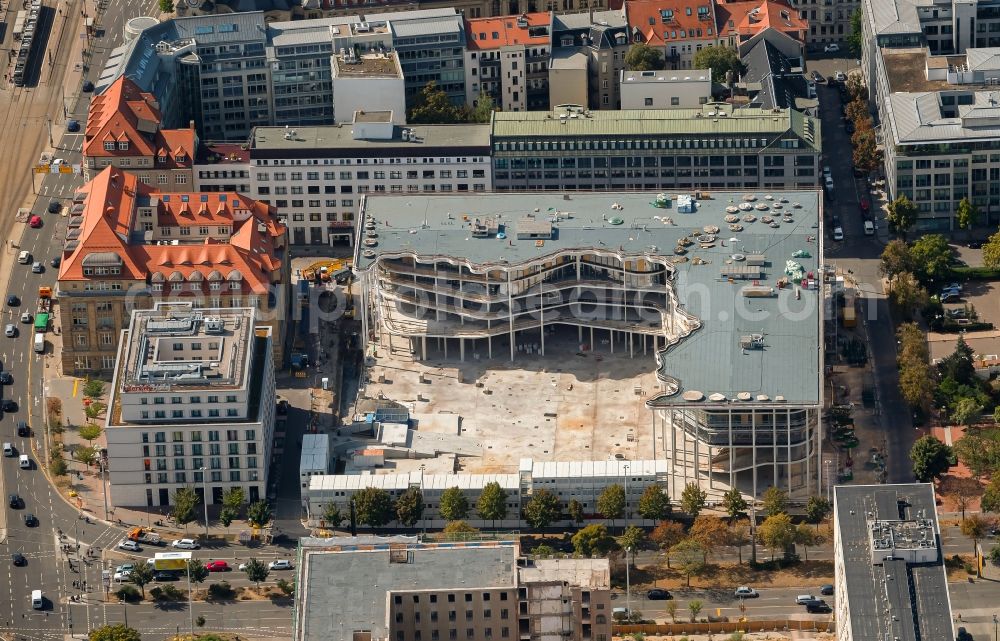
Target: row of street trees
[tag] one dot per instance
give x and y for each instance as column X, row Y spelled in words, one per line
column 185, row 502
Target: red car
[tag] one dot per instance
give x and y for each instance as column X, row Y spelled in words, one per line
column 35, row 222
column 217, row 566
column 864, row 203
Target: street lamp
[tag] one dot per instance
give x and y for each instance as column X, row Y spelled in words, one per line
column 626, row 495
column 628, row 584
column 204, row 498
column 995, row 622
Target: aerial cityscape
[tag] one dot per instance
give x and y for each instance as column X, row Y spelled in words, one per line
column 477, row 320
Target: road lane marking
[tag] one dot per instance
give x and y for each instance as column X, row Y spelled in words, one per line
column 76, row 385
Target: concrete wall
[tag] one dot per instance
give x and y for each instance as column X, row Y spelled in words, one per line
column 368, row 94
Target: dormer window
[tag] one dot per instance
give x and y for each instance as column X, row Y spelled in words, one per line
column 162, row 159
column 687, row 10
column 109, row 145
column 666, row 15
column 181, row 158
column 123, row 145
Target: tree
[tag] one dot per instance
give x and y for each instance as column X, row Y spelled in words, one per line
column 234, row 498
column 856, row 89
column 332, row 516
column 710, row 531
column 94, row 410
column 611, row 502
column 591, row 540
column 90, row 432
column 373, row 507
column 777, row 532
column 931, row 458
column 816, row 509
column 197, row 570
column 775, row 501
column 895, row 260
column 117, row 632
column 916, row 383
column 166, row 6
column 432, row 106
column 695, row 607
column 901, row 214
column 259, row 514
column 672, row 611
column 631, row 539
column 976, row 452
column 854, row 39
column 256, row 571
column 907, row 294
column 991, row 497
column 654, row 504
column 666, row 535
column 86, row 455
column 492, row 503
column 459, row 527
column 184, row 501
column 806, row 537
column 734, row 504
column 410, row 506
column 690, row 557
column 141, row 574
column 967, row 412
column 960, row 364
column 453, row 505
column 575, row 510
column 975, row 527
column 738, row 536
column 693, row 499
column 991, row 251
column 57, row 466
column 963, row 489
column 93, row 388
column 866, row 155
column 227, row 516
column 483, row 111
column 542, row 509
column 967, row 214
column 932, row 258
column 721, row 60
column 287, row 587
column 642, row 57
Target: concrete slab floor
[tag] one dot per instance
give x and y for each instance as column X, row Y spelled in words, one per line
column 567, row 405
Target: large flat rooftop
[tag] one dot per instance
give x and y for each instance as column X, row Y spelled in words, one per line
column 711, row 360
column 334, row 140
column 375, row 65
column 891, row 598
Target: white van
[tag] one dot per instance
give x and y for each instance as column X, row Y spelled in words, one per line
column 24, row 462
column 8, row 449
column 869, row 228
column 36, row 600
column 39, row 343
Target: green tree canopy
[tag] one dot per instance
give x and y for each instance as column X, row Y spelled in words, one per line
column 542, row 509
column 967, row 214
column 991, row 251
column 259, row 514
column 611, row 502
column 777, row 532
column 690, row 557
column 459, row 527
column 975, row 527
column 184, row 501
column 575, row 511
column 817, row 508
column 410, row 506
column 901, row 214
column 483, row 111
column 453, row 505
column 591, row 540
column 931, row 458
column 721, row 60
column 775, row 501
column 93, row 388
column 932, row 258
column 492, row 504
column 432, row 106
column 234, row 498
column 90, row 432
column 141, row 574
column 642, row 57
column 854, row 38
column 332, row 516
column 991, row 497
column 197, row 570
column 693, row 499
column 86, row 455
column 373, row 507
column 896, row 259
column 967, row 412
column 631, row 540
column 734, row 504
column 256, row 571
column 117, row 632
column 654, row 504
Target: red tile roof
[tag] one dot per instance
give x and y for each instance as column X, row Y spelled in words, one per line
column 672, row 22
column 252, row 253
column 750, row 18
column 493, row 33
column 124, row 113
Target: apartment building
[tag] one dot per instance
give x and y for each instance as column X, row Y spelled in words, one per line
column 199, row 381
column 711, row 147
column 507, row 58
column 680, row 30
column 666, row 90
column 889, row 574
column 736, row 408
column 431, row 48
column 316, row 176
column 222, row 167
column 829, row 20
column 409, row 591
column 592, row 44
column 581, row 481
column 131, row 246
column 124, row 130
column 739, row 21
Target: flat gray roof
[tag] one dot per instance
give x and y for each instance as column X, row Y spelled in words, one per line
column 710, row 360
column 893, row 600
column 332, row 137
column 346, row 580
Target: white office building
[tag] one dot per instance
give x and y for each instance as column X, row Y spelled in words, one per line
column 688, row 88
column 371, row 81
column 192, row 404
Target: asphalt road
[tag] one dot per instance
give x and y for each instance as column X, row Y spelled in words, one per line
column 772, row 603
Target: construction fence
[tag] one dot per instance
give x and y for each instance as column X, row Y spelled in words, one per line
column 722, row 627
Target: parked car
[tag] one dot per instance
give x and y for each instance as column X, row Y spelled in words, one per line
column 27, row 318
column 818, row 77
column 123, row 573
column 163, row 575
column 827, row 172
column 8, row 405
column 280, row 564
column 840, row 76
column 217, row 566
column 72, row 126
column 828, row 183
column 87, row 86
column 24, row 257
column 15, row 502
column 658, row 594
column 975, row 244
column 956, row 286
column 838, row 233
column 55, row 262
column 826, row 590
column 832, row 48
column 745, row 592
column 13, row 300
column 23, row 429
column 949, row 297
column 6, row 378
column 802, row 599
column 818, row 607
column 185, row 544
column 130, row 545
